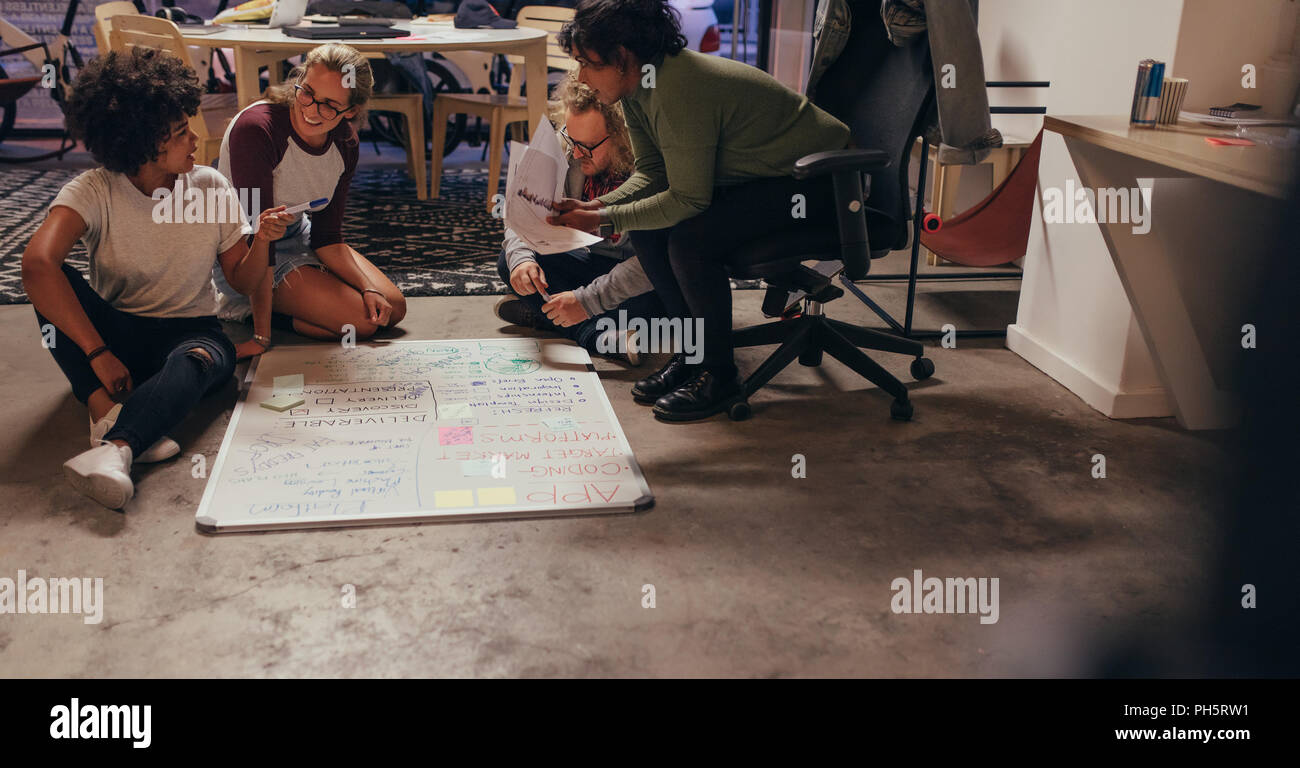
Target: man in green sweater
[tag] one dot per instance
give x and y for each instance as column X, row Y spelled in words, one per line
column 715, row 142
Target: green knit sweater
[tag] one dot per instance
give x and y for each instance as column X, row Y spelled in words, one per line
column 711, row 122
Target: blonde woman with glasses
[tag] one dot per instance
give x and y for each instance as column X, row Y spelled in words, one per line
column 298, row 145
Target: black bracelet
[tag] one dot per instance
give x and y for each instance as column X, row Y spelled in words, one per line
column 96, row 352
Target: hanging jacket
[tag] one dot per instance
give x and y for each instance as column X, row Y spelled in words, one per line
column 962, row 130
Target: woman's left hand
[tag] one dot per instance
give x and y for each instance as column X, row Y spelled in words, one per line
column 378, row 310
column 564, row 309
column 247, row 349
column 585, row 221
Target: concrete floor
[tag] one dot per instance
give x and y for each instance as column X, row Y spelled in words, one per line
column 756, row 573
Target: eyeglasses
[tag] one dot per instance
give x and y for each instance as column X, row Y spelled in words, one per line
column 574, row 145
column 326, row 110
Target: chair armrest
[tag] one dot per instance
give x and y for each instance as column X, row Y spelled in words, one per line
column 822, row 163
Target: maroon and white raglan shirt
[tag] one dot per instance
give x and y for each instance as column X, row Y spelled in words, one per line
column 262, row 152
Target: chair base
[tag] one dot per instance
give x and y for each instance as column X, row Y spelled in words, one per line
column 807, row 336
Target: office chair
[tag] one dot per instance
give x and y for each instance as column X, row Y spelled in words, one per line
column 883, row 93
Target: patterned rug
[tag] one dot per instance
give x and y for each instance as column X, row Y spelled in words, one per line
column 443, row 247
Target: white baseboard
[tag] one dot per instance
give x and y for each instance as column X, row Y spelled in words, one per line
column 1143, row 403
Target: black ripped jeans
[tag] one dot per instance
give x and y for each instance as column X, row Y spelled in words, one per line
column 168, row 376
column 688, row 262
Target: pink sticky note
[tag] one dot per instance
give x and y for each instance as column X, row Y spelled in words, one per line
column 455, row 435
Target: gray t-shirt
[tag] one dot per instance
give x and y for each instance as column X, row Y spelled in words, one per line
column 145, row 259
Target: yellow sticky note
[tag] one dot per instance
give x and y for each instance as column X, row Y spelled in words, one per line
column 493, row 497
column 287, row 385
column 283, row 403
column 463, row 498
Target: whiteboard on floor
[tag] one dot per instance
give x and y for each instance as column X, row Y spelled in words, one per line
column 418, row 431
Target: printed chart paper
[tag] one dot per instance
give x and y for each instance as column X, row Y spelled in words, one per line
column 422, row 431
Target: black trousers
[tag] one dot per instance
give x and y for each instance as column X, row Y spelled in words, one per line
column 573, row 269
column 169, row 378
column 688, row 262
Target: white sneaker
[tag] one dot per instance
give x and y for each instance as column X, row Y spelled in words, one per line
column 103, row 473
column 632, row 343
column 163, row 449
column 626, row 348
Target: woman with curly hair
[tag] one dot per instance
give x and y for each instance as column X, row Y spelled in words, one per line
column 715, row 143
column 296, row 146
column 140, row 343
column 586, row 284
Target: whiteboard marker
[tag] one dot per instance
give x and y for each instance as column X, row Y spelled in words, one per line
column 545, row 296
column 304, row 206
column 292, row 211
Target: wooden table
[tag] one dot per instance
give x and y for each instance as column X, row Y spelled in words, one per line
column 256, row 46
column 1265, row 169
column 1188, row 277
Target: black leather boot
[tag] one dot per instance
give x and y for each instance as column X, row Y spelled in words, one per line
column 664, row 380
column 701, row 397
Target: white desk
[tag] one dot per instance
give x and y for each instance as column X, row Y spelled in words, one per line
column 1187, row 278
column 256, row 46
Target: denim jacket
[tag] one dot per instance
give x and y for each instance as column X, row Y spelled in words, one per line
column 830, row 34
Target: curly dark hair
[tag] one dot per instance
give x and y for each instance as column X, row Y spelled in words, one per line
column 650, row 29
column 122, row 105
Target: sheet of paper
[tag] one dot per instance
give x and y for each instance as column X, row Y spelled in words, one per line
column 372, row 444
column 534, row 181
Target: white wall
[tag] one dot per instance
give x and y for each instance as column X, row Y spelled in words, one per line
column 1073, row 309
column 1213, row 44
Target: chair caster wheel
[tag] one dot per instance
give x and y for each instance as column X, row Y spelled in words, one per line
column 811, row 357
column 901, row 410
column 739, row 410
column 922, row 368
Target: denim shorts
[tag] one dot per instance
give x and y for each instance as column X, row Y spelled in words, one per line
column 291, row 252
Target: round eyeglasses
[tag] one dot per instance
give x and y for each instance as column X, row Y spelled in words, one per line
column 574, row 145
column 326, row 110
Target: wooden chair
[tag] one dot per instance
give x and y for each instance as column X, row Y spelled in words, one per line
column 1004, row 159
column 103, row 13
column 501, row 110
column 947, row 178
column 216, row 110
column 411, row 107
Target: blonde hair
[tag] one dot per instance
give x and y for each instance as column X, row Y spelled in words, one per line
column 573, row 96
column 336, row 57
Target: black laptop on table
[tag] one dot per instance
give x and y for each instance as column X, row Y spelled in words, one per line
column 344, row 32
